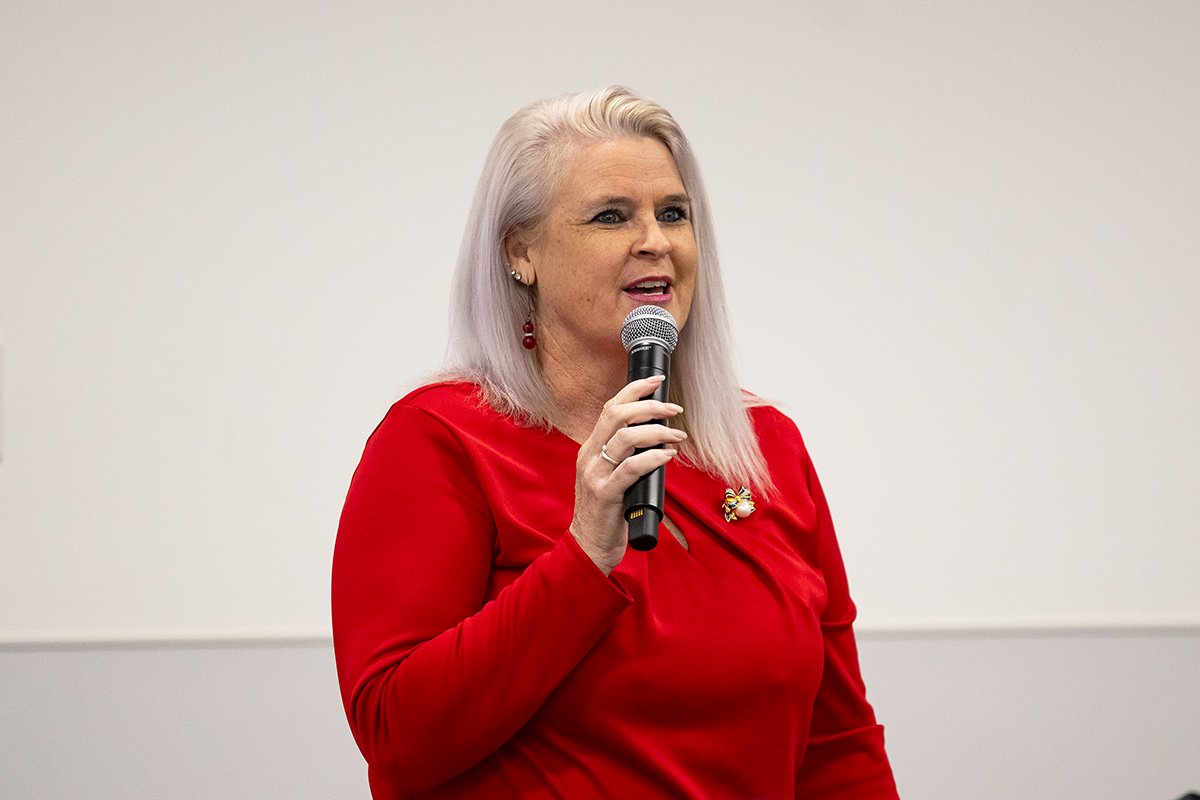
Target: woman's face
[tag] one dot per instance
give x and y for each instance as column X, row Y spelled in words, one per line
column 618, row 235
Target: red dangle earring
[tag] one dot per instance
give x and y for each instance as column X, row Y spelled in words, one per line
column 528, row 340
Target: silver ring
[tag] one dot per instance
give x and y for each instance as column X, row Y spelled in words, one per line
column 604, row 454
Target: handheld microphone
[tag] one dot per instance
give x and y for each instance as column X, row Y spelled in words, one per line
column 649, row 334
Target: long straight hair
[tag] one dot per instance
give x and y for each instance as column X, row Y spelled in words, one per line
column 520, row 178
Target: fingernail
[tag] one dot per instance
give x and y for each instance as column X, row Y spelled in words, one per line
column 676, row 408
column 680, row 434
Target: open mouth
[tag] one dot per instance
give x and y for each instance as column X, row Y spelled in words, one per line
column 651, row 289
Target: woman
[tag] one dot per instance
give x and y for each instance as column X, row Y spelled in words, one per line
column 494, row 635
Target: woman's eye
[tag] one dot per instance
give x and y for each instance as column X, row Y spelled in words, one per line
column 608, row 217
column 673, row 214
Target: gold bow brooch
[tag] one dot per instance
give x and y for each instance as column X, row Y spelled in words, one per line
column 737, row 505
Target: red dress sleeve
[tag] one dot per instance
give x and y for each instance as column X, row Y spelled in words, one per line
column 434, row 678
column 845, row 757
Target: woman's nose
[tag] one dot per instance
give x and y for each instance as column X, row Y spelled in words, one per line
column 653, row 241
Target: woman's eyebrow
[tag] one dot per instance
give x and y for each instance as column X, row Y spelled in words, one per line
column 610, row 201
column 626, row 201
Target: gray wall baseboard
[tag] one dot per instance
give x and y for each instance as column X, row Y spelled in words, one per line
column 1053, row 715
column 982, row 714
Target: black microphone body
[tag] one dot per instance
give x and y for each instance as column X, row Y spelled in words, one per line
column 644, row 500
column 643, row 507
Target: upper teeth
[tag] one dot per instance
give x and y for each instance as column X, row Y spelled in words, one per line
column 650, row 285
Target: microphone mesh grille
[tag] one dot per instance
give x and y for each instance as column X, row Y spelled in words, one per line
column 650, row 322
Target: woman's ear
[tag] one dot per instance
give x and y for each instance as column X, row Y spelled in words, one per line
column 516, row 255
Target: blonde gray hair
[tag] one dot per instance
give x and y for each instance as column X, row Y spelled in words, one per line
column 488, row 307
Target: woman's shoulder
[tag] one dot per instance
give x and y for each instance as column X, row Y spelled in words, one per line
column 456, row 403
column 443, row 394
column 778, row 435
column 441, row 413
column 767, row 416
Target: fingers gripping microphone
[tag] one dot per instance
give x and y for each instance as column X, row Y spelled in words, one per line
column 649, row 335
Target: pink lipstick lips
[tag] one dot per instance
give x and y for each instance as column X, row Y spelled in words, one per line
column 650, row 290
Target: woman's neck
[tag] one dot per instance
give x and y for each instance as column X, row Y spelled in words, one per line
column 581, row 383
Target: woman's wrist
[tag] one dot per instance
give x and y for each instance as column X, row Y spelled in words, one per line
column 605, row 559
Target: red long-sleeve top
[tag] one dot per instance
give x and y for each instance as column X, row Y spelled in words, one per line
column 482, row 654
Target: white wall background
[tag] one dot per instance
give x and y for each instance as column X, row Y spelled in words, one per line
column 961, row 240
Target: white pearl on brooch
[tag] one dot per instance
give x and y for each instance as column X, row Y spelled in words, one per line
column 737, row 505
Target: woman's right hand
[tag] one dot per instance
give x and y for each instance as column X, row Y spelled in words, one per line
column 598, row 524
